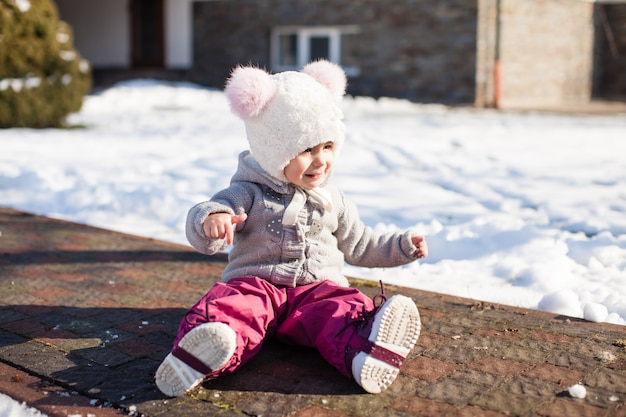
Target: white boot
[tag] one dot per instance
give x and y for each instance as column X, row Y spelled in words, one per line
column 387, row 339
column 204, row 349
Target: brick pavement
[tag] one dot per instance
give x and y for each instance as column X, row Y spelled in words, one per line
column 86, row 316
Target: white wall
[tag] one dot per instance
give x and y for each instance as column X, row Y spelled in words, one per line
column 102, row 31
column 178, row 33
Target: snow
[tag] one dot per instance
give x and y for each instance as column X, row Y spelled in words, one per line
column 577, row 391
column 11, row 408
column 520, row 209
column 22, row 5
column 526, row 209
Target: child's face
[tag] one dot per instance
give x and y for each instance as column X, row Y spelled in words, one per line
column 311, row 168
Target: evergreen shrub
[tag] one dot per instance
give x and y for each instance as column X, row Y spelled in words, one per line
column 42, row 77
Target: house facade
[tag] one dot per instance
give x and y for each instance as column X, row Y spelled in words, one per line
column 424, row 50
column 548, row 52
column 491, row 53
column 130, row 34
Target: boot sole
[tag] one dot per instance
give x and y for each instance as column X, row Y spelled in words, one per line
column 396, row 327
column 212, row 343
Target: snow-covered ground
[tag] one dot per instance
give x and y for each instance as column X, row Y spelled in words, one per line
column 12, row 408
column 521, row 209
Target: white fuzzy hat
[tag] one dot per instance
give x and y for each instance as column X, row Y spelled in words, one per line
column 288, row 112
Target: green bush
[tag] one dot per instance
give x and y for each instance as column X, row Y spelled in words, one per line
column 42, row 77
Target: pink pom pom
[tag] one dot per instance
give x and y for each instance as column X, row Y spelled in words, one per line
column 249, row 90
column 329, row 75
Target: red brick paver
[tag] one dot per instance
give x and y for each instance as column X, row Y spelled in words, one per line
column 86, row 316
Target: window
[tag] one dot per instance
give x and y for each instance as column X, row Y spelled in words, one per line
column 294, row 46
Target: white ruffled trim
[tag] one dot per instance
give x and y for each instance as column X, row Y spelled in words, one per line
column 319, row 195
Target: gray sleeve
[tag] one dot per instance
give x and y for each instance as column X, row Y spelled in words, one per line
column 235, row 199
column 362, row 246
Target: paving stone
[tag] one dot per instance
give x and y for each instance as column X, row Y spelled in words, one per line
column 428, row 369
column 501, row 401
column 595, row 349
column 25, row 327
column 120, row 387
column 315, row 411
column 103, row 356
column 50, row 399
column 422, row 407
column 8, row 339
column 553, row 338
column 555, row 374
column 472, row 411
column 429, row 341
column 50, row 362
column 568, row 360
column 89, row 314
column 27, row 354
column 531, row 388
column 272, row 403
column 453, row 391
column 526, row 352
column 563, row 407
column 574, row 327
column 601, row 397
column 84, row 375
column 8, row 314
column 136, row 348
column 460, row 353
column 607, row 379
column 497, row 366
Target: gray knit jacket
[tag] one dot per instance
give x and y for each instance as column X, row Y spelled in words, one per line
column 312, row 250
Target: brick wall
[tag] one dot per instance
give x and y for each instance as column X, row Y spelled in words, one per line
column 550, row 52
column 546, row 52
column 423, row 50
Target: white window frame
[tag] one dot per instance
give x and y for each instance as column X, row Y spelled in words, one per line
column 303, row 36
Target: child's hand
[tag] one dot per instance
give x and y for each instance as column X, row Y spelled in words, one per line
column 420, row 244
column 220, row 225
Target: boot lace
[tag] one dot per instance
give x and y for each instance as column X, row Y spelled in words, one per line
column 364, row 316
column 204, row 314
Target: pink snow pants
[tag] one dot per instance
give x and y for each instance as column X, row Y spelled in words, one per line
column 317, row 315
